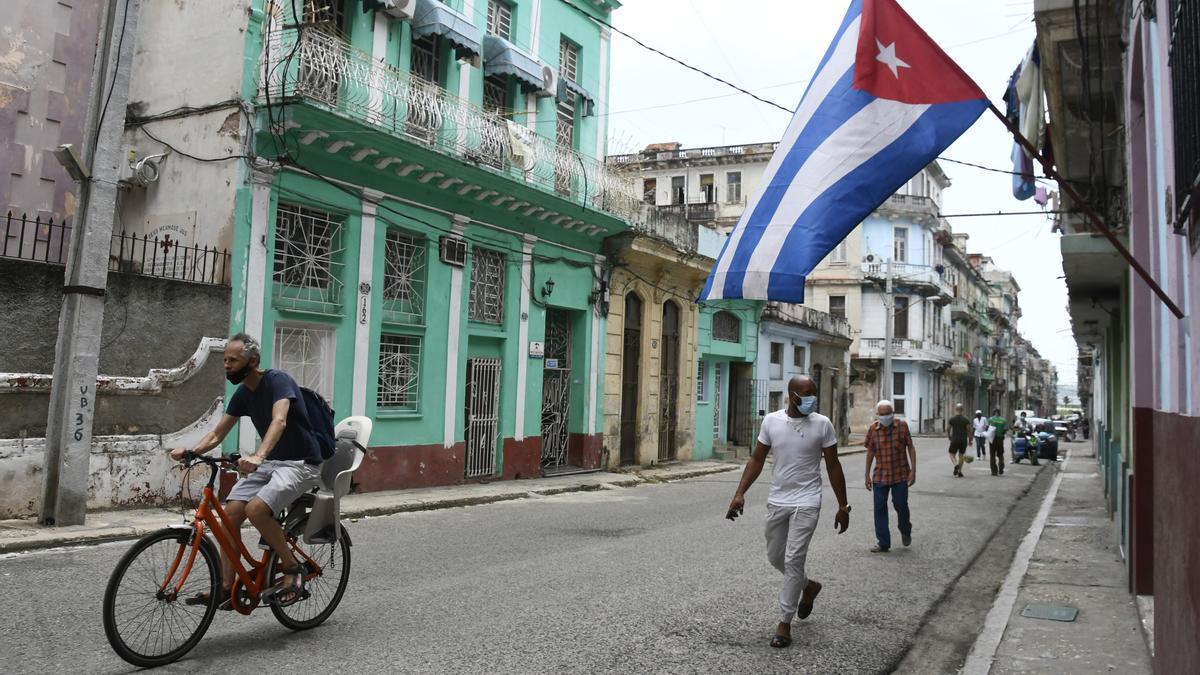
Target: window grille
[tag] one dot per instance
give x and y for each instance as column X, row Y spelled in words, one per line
column 487, row 286
column 701, row 372
column 404, row 277
column 425, row 60
column 1185, row 88
column 499, row 19
column 307, row 354
column 399, row 372
column 308, row 258
column 727, row 327
column 568, row 60
column 327, row 15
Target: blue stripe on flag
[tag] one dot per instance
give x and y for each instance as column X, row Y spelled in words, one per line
column 842, row 103
column 854, row 197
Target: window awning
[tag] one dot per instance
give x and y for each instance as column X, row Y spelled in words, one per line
column 589, row 102
column 501, row 57
column 434, row 18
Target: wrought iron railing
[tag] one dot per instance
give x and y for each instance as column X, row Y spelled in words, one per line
column 36, row 239
column 911, row 204
column 303, row 63
column 698, row 211
column 1185, row 90
column 47, row 241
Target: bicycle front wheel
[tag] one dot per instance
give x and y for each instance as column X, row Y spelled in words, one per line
column 325, row 588
column 146, row 625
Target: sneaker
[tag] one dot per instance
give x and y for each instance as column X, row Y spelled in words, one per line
column 878, row 548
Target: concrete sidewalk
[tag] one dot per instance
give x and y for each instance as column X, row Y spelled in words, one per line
column 1069, row 559
column 101, row 526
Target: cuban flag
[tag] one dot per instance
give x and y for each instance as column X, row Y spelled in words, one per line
column 884, row 102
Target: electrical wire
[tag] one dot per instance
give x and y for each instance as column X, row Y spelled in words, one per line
column 191, row 156
column 112, row 84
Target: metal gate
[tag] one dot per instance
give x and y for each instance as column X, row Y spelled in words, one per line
column 556, row 389
column 718, row 394
column 749, row 397
column 631, row 357
column 483, row 416
column 668, row 382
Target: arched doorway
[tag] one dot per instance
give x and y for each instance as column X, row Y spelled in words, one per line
column 631, row 357
column 668, row 382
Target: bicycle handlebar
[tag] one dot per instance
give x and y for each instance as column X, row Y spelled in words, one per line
column 193, row 457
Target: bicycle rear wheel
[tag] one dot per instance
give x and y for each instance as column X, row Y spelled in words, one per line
column 325, row 590
column 148, row 627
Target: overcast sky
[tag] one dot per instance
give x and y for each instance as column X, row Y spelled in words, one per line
column 772, row 47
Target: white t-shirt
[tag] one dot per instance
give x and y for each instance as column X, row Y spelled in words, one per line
column 797, row 444
column 981, row 426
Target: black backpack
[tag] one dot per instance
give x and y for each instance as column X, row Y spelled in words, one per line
column 320, row 419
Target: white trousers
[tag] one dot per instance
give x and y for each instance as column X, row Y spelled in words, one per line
column 789, row 531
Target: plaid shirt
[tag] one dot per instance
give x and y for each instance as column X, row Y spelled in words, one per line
column 890, row 445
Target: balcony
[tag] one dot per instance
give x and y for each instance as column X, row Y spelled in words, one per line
column 910, row 205
column 701, row 212
column 807, row 317
column 669, row 227
column 904, row 348
column 924, row 279
column 325, row 72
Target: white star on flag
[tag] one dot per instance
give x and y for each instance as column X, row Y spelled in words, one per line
column 887, row 56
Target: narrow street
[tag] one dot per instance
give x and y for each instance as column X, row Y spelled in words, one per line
column 644, row 579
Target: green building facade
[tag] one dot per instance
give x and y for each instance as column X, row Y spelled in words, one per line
column 425, row 248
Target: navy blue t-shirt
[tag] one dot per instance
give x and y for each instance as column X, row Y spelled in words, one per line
column 297, row 442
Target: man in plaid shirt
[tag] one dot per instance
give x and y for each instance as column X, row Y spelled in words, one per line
column 890, row 449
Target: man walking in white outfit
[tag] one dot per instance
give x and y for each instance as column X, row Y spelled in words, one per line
column 799, row 437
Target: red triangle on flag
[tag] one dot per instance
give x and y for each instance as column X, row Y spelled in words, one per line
column 898, row 61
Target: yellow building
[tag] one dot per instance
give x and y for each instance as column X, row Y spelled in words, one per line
column 650, row 357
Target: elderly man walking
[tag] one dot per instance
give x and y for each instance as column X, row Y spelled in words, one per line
column 799, row 437
column 891, row 451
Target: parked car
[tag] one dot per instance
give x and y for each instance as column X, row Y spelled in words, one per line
column 1064, row 430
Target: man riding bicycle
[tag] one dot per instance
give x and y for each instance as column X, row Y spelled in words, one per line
column 286, row 465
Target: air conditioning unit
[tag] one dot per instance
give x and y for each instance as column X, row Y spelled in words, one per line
column 550, row 79
column 870, row 258
column 453, row 250
column 400, row 9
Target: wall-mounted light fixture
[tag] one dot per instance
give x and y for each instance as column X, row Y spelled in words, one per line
column 548, row 287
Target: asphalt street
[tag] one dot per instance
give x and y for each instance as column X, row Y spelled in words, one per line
column 644, row 579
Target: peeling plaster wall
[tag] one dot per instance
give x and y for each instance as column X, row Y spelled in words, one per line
column 46, row 55
column 125, row 471
column 177, row 67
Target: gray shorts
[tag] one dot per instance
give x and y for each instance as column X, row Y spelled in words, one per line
column 276, row 482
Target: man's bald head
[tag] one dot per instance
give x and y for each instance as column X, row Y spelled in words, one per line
column 801, row 385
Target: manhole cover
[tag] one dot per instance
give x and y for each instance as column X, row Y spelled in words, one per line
column 1051, row 612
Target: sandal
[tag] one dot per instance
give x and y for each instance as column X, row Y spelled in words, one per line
column 781, row 641
column 202, row 598
column 285, row 594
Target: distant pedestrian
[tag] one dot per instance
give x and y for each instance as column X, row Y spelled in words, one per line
column 890, row 449
column 798, row 437
column 996, row 428
column 981, row 426
column 959, row 431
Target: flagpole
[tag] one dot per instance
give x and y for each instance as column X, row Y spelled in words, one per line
column 1087, row 210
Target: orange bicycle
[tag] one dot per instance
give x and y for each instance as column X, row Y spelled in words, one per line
column 146, row 619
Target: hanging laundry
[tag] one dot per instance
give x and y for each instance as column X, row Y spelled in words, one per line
column 1029, row 90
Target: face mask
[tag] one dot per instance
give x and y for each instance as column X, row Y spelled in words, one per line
column 236, row 376
column 886, row 420
column 805, row 404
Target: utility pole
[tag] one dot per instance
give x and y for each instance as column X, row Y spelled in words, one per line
column 77, row 351
column 889, row 306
